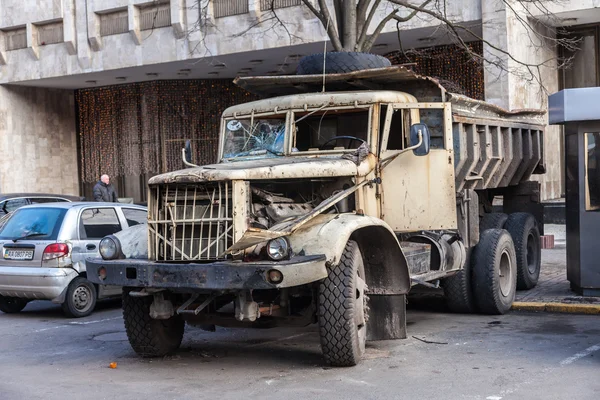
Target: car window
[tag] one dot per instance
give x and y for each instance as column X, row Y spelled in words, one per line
column 12, row 204
column 99, row 222
column 35, row 200
column 135, row 217
column 39, row 223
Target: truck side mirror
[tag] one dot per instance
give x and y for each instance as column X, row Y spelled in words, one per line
column 423, row 129
column 188, row 151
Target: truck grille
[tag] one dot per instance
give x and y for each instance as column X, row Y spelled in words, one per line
column 190, row 223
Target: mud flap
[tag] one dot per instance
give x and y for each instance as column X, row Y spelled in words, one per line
column 387, row 317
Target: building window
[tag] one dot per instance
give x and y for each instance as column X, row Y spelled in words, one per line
column 113, row 23
column 266, row 5
column 225, row 8
column 582, row 70
column 155, row 16
column 592, row 171
column 50, row 33
column 16, row 38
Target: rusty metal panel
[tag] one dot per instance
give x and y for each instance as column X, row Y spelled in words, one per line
column 517, row 139
column 485, row 153
column 468, row 155
column 527, row 159
column 418, row 193
column 507, row 157
column 497, row 151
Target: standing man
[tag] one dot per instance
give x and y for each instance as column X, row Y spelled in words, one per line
column 104, row 191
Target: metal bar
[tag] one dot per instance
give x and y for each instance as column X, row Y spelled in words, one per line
column 184, row 223
column 193, row 224
column 219, row 216
column 156, row 241
column 187, row 303
column 206, row 302
column 212, row 206
column 165, row 233
column 227, row 212
column 190, row 220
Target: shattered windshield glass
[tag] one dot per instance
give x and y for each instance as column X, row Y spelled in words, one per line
column 254, row 137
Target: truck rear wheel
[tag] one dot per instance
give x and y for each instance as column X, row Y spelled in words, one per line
column 492, row 221
column 342, row 309
column 526, row 236
column 147, row 336
column 494, row 272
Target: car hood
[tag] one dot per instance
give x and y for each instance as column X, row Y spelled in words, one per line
column 270, row 168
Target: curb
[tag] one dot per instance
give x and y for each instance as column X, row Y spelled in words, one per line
column 557, row 307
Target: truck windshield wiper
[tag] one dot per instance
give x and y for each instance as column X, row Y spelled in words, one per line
column 32, row 234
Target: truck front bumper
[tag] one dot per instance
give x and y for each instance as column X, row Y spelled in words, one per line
column 222, row 275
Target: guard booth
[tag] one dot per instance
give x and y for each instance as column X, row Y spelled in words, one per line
column 579, row 111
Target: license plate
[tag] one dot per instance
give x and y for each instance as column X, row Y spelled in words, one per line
column 10, row 254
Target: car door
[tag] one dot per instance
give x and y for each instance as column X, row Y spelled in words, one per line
column 94, row 224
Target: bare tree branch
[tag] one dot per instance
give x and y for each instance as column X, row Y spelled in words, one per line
column 364, row 29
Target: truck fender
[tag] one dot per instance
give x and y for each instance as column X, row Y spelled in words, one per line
column 386, row 268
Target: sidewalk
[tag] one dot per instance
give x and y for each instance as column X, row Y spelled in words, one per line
column 553, row 292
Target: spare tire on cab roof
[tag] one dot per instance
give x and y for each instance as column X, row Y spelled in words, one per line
column 340, row 62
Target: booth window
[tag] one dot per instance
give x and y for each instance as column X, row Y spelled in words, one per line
column 592, row 160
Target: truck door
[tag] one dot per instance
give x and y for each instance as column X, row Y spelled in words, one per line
column 417, row 192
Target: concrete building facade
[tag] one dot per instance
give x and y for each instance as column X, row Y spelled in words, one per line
column 51, row 49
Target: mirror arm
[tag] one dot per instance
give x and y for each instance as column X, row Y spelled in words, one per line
column 383, row 163
column 185, row 161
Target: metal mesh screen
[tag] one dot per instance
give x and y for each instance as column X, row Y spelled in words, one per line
column 140, row 128
column 266, row 5
column 225, row 8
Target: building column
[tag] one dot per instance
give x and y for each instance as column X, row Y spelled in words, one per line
column 510, row 84
column 38, row 141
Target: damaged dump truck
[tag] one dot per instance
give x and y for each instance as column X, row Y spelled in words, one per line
column 328, row 206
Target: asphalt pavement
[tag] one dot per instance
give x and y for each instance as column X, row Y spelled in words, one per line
column 521, row 355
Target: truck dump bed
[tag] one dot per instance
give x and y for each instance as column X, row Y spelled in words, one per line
column 493, row 147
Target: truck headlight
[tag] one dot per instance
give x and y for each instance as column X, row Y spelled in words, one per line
column 278, row 249
column 110, row 248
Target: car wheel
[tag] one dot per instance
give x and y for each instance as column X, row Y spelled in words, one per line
column 12, row 305
column 80, row 299
column 526, row 236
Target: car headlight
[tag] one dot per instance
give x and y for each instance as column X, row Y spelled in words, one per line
column 110, row 248
column 278, row 249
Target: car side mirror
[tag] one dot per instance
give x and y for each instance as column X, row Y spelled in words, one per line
column 423, row 148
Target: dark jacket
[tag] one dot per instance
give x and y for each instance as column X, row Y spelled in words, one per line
column 104, row 192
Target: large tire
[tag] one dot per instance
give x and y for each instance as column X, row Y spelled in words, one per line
column 12, row 305
column 458, row 292
column 492, row 221
column 340, row 62
column 494, row 272
column 343, row 311
column 526, row 236
column 80, row 299
column 147, row 336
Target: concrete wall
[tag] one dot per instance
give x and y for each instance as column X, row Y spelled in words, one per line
column 522, row 76
column 38, row 146
column 85, row 51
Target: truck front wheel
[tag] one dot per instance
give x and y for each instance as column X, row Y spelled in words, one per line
column 343, row 311
column 147, row 336
column 494, row 272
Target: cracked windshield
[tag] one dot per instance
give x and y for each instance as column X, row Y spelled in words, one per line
column 257, row 137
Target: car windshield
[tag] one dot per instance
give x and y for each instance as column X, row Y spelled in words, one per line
column 254, row 137
column 39, row 223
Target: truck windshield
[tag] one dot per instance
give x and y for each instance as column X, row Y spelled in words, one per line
column 254, row 137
